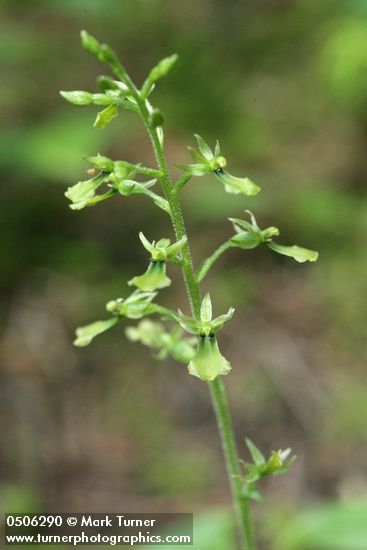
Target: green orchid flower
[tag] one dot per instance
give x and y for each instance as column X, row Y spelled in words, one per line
column 207, row 162
column 155, row 336
column 279, row 462
column 249, row 235
column 155, row 277
column 117, row 176
column 135, row 306
column 83, row 193
column 208, row 362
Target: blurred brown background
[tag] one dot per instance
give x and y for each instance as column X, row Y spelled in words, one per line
column 283, row 85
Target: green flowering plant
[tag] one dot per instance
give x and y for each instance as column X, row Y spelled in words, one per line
column 279, row 462
column 166, row 336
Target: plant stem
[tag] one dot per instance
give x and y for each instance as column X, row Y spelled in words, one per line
column 216, row 388
column 180, row 184
column 207, row 264
column 240, row 502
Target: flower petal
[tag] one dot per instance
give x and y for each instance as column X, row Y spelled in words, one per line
column 208, row 363
column 297, row 252
column 84, row 335
column 235, row 185
column 154, row 278
column 204, row 147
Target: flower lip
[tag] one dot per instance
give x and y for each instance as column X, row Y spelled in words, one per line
column 208, row 363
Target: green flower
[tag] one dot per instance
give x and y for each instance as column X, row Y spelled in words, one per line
column 155, row 336
column 206, row 324
column 155, row 276
column 208, row 162
column 208, row 362
column 135, row 306
column 107, row 172
column 249, row 235
column 153, row 279
column 163, row 250
column 279, row 462
column 84, row 192
column 117, row 176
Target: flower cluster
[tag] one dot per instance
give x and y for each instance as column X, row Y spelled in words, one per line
column 117, row 176
column 109, row 177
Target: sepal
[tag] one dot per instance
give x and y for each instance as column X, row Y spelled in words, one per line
column 189, row 324
column 163, row 250
column 206, row 325
column 102, row 163
column 204, row 148
column 106, row 83
column 104, row 117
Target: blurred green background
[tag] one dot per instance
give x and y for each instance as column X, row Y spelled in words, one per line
column 283, row 85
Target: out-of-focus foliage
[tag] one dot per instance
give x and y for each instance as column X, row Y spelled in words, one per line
column 330, row 526
column 212, row 531
column 282, row 85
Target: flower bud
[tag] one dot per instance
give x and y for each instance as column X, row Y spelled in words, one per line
column 104, row 117
column 89, row 43
column 156, row 118
column 78, row 97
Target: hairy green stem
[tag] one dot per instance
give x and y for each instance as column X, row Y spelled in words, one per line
column 150, row 172
column 207, row 264
column 180, row 184
column 216, row 388
column 241, row 503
